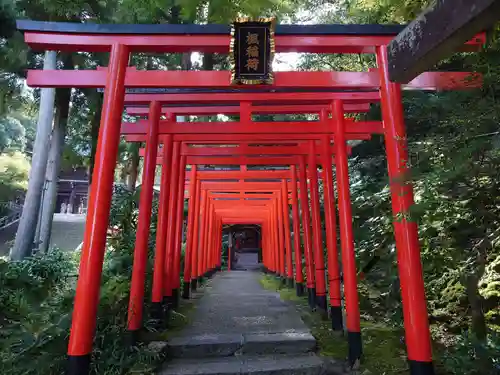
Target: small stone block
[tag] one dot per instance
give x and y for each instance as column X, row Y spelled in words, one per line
column 279, row 343
column 209, row 345
column 157, row 346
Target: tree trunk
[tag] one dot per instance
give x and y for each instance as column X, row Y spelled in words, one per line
column 472, row 280
column 185, row 65
column 123, row 175
column 476, row 307
column 3, row 108
column 134, row 166
column 23, row 244
column 63, row 99
column 94, row 134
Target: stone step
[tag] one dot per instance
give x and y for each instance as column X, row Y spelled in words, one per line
column 306, row 364
column 278, row 343
column 224, row 345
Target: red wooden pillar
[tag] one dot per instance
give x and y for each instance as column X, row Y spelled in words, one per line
column 219, row 244
column 216, row 243
column 264, row 249
column 204, row 225
column 266, row 240
column 264, row 245
column 208, row 241
column 196, row 238
column 276, row 238
column 213, row 243
column 203, row 208
column 205, row 236
column 176, row 269
column 281, row 240
column 418, row 341
column 136, row 298
column 306, row 222
column 172, row 223
column 229, row 249
column 208, row 237
column 288, row 239
column 299, row 277
column 188, row 257
column 161, row 231
column 331, row 236
column 319, row 260
column 267, row 234
column 274, row 241
column 213, row 258
column 346, row 235
column 94, row 241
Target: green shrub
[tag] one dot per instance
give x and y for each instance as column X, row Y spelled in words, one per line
column 36, row 301
column 470, row 357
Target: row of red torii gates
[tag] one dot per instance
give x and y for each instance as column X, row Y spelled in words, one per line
column 244, row 196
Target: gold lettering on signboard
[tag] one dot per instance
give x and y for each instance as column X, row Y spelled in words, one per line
column 252, row 38
column 252, row 51
column 252, row 64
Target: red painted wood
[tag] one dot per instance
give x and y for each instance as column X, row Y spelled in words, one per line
column 270, row 109
column 275, row 98
column 161, row 229
column 94, row 241
column 206, row 43
column 298, row 127
column 136, row 304
column 228, row 138
column 416, row 322
column 222, row 79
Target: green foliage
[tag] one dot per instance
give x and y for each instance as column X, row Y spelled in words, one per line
column 454, row 155
column 36, row 301
column 12, row 134
column 14, row 170
column 471, row 357
column 383, row 352
column 386, row 11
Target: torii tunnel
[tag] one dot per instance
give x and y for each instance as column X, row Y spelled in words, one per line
column 277, row 178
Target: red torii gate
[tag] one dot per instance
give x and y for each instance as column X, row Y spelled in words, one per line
column 333, row 267
column 316, row 295
column 333, row 275
column 346, row 235
column 120, row 40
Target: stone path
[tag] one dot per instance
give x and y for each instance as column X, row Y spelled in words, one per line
column 247, row 261
column 67, row 233
column 240, row 328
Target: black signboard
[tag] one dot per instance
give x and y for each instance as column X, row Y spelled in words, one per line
column 252, row 51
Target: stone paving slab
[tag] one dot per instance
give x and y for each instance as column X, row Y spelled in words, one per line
column 67, row 231
column 208, row 345
column 238, row 327
column 283, row 342
column 261, row 365
column 224, row 345
column 236, row 303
